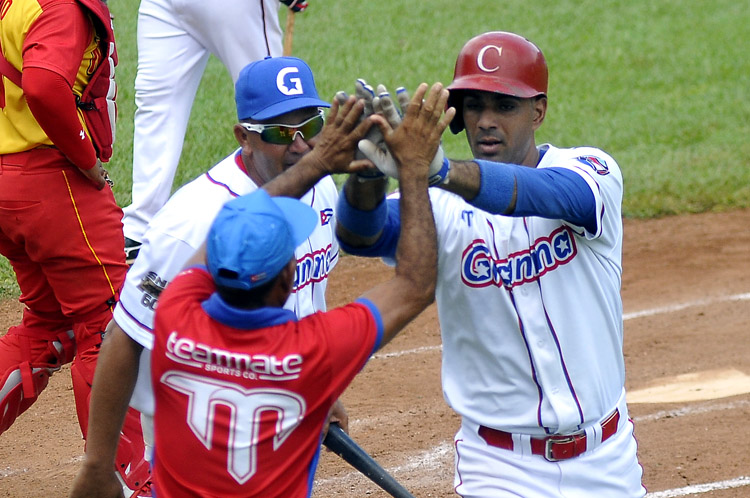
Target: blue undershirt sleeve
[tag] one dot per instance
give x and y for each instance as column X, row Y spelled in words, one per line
column 495, row 186
column 389, row 216
column 554, row 193
column 378, row 321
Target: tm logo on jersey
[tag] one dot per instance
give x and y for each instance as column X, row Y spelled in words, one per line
column 312, row 268
column 480, row 269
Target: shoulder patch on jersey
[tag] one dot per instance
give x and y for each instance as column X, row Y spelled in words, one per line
column 597, row 164
column 326, row 214
column 151, row 287
column 153, row 284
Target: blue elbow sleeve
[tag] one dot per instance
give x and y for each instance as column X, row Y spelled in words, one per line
column 555, row 193
column 496, row 186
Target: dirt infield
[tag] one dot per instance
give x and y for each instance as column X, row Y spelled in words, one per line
column 686, row 293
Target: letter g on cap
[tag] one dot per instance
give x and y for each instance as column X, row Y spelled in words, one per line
column 296, row 83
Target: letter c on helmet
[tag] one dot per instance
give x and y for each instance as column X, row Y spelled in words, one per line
column 480, row 57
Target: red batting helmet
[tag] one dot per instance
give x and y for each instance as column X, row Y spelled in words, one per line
column 497, row 62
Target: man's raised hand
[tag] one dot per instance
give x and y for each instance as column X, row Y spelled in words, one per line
column 415, row 141
column 417, row 134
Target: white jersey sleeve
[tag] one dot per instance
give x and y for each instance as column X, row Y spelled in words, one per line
column 145, row 280
column 603, row 176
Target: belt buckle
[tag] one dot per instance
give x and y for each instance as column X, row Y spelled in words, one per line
column 557, row 440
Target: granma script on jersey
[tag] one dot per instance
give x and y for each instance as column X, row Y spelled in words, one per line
column 480, row 269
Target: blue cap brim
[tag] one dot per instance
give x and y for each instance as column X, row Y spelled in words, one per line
column 286, row 106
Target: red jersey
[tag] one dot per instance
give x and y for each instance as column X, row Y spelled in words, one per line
column 242, row 395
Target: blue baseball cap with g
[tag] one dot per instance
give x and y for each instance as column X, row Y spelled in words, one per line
column 254, row 237
column 274, row 86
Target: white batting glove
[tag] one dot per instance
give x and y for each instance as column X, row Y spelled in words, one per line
column 403, row 99
column 362, row 91
column 365, row 92
column 381, row 156
column 383, row 160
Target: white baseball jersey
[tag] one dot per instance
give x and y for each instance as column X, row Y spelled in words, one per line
column 530, row 308
column 175, row 40
column 180, row 228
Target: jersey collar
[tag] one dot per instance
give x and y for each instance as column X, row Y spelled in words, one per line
column 239, row 162
column 245, row 319
column 542, row 150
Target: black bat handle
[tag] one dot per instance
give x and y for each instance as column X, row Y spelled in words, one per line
column 344, row 446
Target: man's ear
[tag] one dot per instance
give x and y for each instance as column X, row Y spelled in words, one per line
column 243, row 137
column 283, row 285
column 286, row 276
column 540, row 110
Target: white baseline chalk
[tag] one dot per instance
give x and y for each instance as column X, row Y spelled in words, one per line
column 689, row 304
column 699, row 489
column 626, row 316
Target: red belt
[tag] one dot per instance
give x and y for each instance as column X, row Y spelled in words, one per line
column 553, row 448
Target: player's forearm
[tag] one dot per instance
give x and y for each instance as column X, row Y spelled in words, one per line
column 413, row 146
column 413, row 287
column 416, row 255
column 299, row 179
column 365, row 195
column 114, row 381
column 464, row 179
column 376, row 232
column 52, row 103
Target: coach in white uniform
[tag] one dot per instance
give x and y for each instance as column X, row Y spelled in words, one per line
column 528, row 291
column 280, row 123
column 175, row 40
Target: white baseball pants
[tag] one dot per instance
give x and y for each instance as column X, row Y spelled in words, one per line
column 610, row 470
column 175, row 39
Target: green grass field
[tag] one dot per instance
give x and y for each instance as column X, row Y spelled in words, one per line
column 659, row 85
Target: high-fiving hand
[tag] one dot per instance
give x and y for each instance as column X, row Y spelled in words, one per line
column 372, row 146
column 415, row 141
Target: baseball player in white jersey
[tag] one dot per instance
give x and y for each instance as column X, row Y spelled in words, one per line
column 528, row 292
column 175, row 39
column 280, row 124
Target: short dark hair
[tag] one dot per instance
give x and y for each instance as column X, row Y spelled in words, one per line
column 246, row 299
